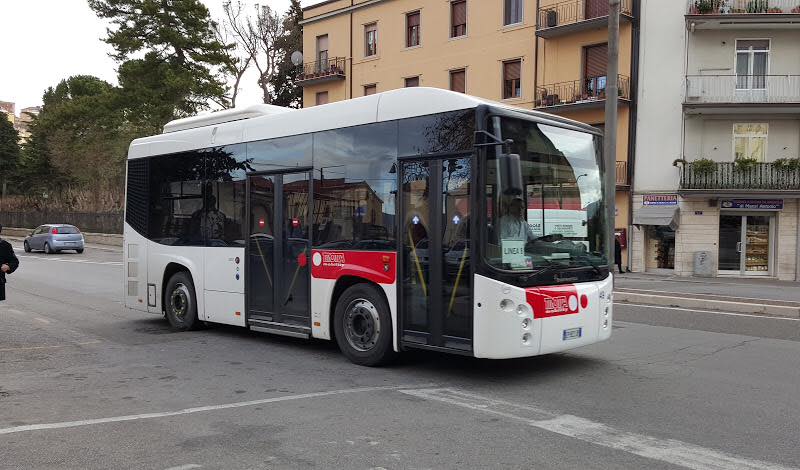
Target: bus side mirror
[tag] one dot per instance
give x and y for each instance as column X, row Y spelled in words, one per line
column 511, row 174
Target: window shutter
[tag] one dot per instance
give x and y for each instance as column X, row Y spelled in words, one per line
column 413, row 19
column 369, row 90
column 596, row 61
column 322, row 98
column 322, row 43
column 458, row 81
column 459, row 10
column 511, row 70
column 412, row 82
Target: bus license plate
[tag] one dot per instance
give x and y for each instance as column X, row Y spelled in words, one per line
column 571, row 333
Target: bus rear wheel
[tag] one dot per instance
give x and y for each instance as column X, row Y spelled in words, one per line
column 180, row 302
column 363, row 326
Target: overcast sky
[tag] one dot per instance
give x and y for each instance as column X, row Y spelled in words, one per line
column 45, row 41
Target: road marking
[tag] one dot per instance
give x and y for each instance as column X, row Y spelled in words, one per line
column 42, row 320
column 715, row 312
column 623, row 290
column 199, row 409
column 57, row 346
column 185, row 467
column 64, row 260
column 666, row 450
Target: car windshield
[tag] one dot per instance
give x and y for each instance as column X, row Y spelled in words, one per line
column 557, row 223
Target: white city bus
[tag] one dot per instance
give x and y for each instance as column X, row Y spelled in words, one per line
column 415, row 218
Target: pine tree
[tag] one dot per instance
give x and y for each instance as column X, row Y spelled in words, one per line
column 284, row 83
column 169, row 56
column 9, row 152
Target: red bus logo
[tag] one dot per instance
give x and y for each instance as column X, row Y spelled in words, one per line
column 333, row 259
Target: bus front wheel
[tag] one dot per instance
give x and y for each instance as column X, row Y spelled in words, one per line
column 363, row 326
column 180, row 302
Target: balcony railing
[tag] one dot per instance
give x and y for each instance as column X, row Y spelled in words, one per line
column 588, row 90
column 725, row 175
column 742, row 7
column 622, row 174
column 576, row 11
column 742, row 89
column 322, row 70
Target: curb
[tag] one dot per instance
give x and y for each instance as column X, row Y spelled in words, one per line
column 706, row 304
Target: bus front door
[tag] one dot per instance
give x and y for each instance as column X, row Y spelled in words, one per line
column 278, row 282
column 435, row 282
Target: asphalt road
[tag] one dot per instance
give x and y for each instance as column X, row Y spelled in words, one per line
column 86, row 384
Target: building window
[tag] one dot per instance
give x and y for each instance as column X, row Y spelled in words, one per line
column 412, row 29
column 412, row 82
column 370, row 89
column 458, row 80
column 322, row 51
column 322, row 98
column 512, row 13
column 458, row 18
column 595, row 65
column 752, row 61
column 512, row 87
column 371, row 39
column 750, row 141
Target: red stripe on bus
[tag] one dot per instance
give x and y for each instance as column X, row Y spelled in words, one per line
column 377, row 266
column 553, row 301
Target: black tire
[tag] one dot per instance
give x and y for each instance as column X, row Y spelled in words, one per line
column 79, row 251
column 47, row 249
column 363, row 326
column 26, row 247
column 180, row 302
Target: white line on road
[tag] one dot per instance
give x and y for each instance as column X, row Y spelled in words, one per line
column 715, row 312
column 666, row 450
column 199, row 409
column 727, row 298
column 64, row 260
column 185, row 467
column 42, row 320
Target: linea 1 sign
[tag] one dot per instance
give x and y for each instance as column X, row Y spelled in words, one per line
column 660, row 200
column 752, row 204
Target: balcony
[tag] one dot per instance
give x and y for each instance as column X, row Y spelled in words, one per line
column 586, row 93
column 622, row 174
column 737, row 14
column 718, row 94
column 577, row 15
column 725, row 177
column 322, row 71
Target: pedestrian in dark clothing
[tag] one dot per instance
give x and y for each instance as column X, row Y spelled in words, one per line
column 618, row 254
column 8, row 264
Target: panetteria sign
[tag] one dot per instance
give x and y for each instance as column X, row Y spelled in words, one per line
column 660, row 200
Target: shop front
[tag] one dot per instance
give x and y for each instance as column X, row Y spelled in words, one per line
column 656, row 220
column 747, row 233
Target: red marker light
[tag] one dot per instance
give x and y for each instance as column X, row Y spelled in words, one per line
column 295, row 223
column 584, row 301
column 302, row 260
column 261, row 223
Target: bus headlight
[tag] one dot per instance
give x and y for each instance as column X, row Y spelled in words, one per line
column 526, row 324
column 524, row 310
column 605, row 324
column 507, row 305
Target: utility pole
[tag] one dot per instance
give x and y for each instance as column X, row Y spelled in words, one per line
column 610, row 141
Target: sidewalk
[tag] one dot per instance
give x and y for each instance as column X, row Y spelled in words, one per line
column 742, row 295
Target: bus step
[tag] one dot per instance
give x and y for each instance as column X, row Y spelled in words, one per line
column 280, row 329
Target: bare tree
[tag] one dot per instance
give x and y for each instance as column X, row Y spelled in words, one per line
column 256, row 36
column 237, row 64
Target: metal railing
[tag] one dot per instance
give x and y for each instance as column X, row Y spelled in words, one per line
column 333, row 67
column 586, row 90
column 726, row 175
column 575, row 11
column 743, row 89
column 742, row 7
column 622, row 174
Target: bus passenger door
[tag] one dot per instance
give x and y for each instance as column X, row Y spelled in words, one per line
column 435, row 271
column 278, row 283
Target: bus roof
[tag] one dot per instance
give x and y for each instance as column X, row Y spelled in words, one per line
column 261, row 122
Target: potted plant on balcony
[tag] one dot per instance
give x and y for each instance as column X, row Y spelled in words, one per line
column 774, row 10
column 787, row 164
column 796, row 9
column 757, row 6
column 703, row 166
column 743, row 165
column 705, row 7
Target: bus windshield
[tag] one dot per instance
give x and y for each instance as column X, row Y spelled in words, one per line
column 556, row 225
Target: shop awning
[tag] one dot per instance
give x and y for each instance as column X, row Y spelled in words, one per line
column 657, row 215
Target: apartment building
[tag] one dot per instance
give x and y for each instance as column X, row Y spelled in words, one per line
column 570, row 79
column 719, row 134
column 354, row 48
column 7, row 108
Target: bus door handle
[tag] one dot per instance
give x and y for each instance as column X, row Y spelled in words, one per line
column 738, row 247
